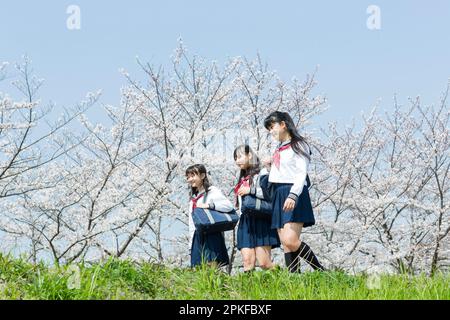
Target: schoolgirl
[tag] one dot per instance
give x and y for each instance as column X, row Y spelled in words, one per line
column 255, row 237
column 206, row 248
column 292, row 209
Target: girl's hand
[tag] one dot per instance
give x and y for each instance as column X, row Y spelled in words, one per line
column 203, row 205
column 267, row 162
column 289, row 205
column 243, row 191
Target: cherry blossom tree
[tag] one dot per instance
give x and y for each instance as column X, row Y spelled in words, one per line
column 30, row 144
column 381, row 190
column 87, row 191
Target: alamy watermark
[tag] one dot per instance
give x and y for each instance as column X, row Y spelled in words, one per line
column 73, row 22
column 74, row 279
column 374, row 20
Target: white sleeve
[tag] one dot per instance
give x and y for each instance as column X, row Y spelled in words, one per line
column 191, row 223
column 301, row 169
column 218, row 201
column 255, row 188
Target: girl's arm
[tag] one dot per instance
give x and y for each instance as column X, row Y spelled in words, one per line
column 301, row 169
column 255, row 188
column 218, row 201
column 267, row 163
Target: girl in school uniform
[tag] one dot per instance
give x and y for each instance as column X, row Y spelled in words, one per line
column 292, row 209
column 255, row 237
column 206, row 248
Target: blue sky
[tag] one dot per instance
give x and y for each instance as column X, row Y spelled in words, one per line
column 408, row 56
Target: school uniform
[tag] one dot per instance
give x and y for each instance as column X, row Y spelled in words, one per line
column 289, row 179
column 208, row 247
column 252, row 231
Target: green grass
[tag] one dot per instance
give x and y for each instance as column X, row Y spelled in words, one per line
column 118, row 279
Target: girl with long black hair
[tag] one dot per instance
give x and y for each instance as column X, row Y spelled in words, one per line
column 255, row 237
column 289, row 183
column 206, row 248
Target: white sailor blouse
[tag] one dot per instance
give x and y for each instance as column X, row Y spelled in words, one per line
column 289, row 167
column 255, row 188
column 216, row 201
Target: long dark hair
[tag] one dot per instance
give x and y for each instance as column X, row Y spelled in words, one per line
column 298, row 142
column 198, row 169
column 255, row 165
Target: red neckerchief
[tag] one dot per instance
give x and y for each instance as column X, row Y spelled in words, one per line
column 244, row 182
column 194, row 201
column 276, row 156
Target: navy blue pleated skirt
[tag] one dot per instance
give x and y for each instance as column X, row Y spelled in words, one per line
column 253, row 232
column 302, row 212
column 208, row 248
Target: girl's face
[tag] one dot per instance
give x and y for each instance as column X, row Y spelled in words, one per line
column 279, row 131
column 243, row 160
column 195, row 180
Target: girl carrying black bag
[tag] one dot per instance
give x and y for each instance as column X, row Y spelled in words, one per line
column 257, row 205
column 255, row 238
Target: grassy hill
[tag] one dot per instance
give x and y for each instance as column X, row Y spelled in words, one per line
column 117, row 279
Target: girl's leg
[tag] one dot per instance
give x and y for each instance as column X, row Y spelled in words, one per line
column 290, row 236
column 248, row 258
column 295, row 249
column 290, row 239
column 263, row 255
column 305, row 252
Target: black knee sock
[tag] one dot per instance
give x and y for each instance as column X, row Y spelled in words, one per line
column 291, row 262
column 305, row 252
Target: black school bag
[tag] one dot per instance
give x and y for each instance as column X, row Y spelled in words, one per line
column 253, row 206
